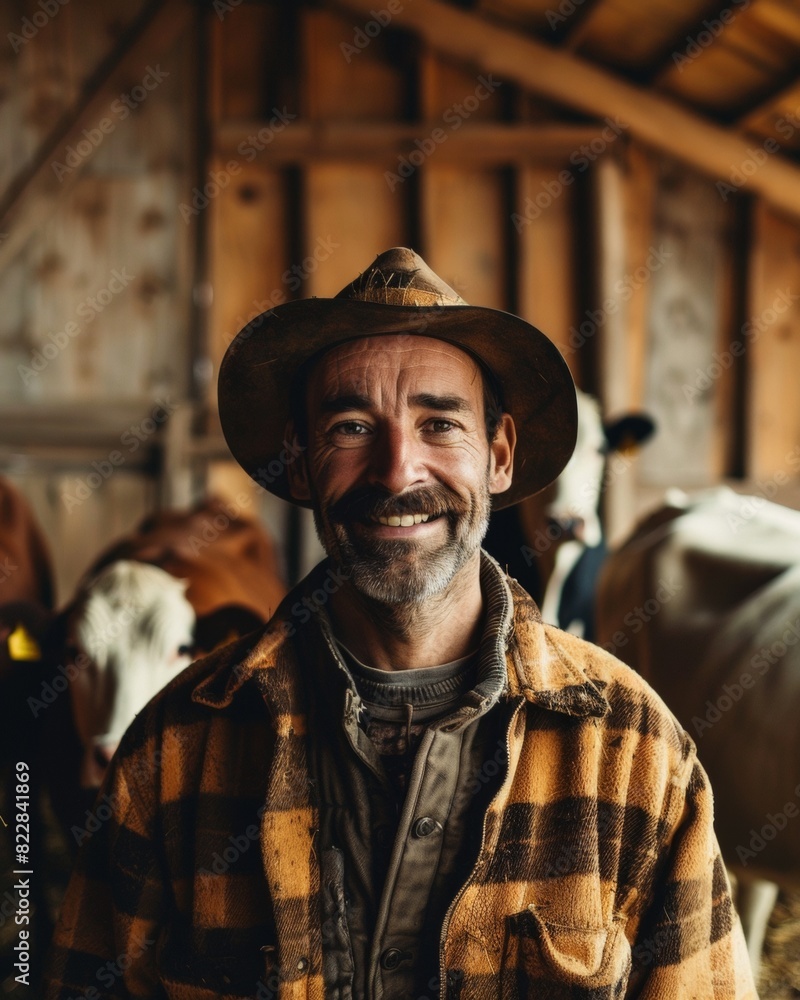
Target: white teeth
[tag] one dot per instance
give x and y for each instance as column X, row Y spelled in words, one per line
column 404, row 521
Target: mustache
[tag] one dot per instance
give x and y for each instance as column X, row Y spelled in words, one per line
column 367, row 502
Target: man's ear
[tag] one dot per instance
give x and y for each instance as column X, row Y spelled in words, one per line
column 297, row 470
column 501, row 455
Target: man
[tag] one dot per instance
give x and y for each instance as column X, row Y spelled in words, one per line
column 406, row 786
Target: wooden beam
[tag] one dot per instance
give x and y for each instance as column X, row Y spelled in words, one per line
column 481, row 142
column 769, row 105
column 656, row 120
column 33, row 194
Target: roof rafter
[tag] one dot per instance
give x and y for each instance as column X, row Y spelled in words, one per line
column 655, row 120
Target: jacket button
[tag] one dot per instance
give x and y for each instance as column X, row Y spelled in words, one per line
column 302, row 964
column 391, row 958
column 425, row 826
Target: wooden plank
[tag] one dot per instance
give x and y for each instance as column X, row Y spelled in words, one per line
column 656, row 120
column 464, row 232
column 625, row 199
column 773, row 346
column 546, row 279
column 624, row 194
column 685, row 278
column 249, row 242
column 480, row 142
column 778, row 118
column 447, row 94
column 159, row 26
column 106, row 319
column 245, row 44
column 719, row 80
column 344, row 78
column 352, row 215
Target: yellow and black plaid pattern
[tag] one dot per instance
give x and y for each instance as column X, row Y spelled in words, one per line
column 599, row 876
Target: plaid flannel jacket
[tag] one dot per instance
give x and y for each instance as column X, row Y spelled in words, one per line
column 599, row 875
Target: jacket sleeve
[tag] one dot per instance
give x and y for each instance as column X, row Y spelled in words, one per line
column 690, row 941
column 105, row 940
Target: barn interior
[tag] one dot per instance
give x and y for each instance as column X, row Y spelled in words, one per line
column 625, row 176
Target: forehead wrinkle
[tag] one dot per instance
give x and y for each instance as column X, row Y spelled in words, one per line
column 359, row 368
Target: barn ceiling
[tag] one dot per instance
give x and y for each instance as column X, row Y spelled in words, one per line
column 735, row 63
column 717, row 85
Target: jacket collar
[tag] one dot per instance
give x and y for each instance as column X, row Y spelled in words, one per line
column 542, row 664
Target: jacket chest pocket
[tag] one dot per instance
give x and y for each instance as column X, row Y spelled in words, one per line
column 555, row 961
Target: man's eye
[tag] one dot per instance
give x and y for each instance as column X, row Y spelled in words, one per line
column 441, row 426
column 351, row 428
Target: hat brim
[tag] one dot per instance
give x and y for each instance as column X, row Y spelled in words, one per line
column 257, row 374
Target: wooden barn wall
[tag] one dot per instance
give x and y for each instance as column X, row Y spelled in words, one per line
column 95, row 329
column 321, row 155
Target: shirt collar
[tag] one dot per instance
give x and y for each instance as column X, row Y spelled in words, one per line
column 520, row 656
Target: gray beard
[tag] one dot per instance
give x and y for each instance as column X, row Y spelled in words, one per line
column 390, row 573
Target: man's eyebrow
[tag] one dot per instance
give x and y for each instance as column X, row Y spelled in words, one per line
column 442, row 404
column 347, row 401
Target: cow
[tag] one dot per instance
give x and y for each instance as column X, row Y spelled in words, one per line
column 553, row 542
column 181, row 584
column 26, row 579
column 703, row 600
column 26, row 608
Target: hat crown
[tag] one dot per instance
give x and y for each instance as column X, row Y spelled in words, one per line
column 400, row 277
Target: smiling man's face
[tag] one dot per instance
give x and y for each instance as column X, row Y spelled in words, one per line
column 398, row 465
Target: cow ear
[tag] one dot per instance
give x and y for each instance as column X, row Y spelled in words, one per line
column 624, row 433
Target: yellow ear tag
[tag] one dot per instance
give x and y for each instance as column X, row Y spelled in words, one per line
column 22, row 645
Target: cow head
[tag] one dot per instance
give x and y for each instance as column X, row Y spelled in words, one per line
column 130, row 633
column 571, row 505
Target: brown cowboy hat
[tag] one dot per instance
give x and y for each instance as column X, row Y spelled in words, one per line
column 398, row 294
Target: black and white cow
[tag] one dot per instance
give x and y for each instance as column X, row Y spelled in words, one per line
column 553, row 543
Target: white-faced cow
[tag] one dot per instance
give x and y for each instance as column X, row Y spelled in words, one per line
column 553, row 542
column 703, row 600
column 181, row 584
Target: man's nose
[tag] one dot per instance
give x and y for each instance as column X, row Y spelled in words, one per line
column 396, row 460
